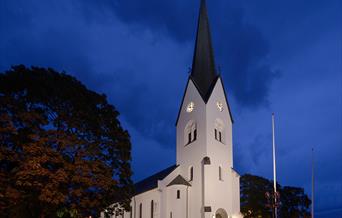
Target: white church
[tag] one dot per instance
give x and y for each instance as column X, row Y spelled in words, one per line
column 203, row 182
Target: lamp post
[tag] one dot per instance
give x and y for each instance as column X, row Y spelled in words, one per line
column 273, row 197
column 312, row 185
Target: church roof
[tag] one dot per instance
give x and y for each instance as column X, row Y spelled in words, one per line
column 151, row 182
column 203, row 72
column 179, row 180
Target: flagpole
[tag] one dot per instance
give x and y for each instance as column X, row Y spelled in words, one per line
column 312, row 184
column 274, row 169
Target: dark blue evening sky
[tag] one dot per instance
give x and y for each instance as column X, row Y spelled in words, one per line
column 275, row 56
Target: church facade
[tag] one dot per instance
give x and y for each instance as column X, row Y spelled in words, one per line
column 202, row 183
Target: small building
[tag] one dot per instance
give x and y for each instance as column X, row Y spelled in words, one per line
column 202, row 183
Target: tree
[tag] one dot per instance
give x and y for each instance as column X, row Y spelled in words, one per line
column 63, row 152
column 253, row 200
column 294, row 202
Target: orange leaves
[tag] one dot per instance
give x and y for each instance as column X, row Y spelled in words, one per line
column 61, row 146
column 51, row 194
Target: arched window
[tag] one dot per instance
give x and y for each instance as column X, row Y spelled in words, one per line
column 190, row 132
column 152, row 208
column 219, row 130
column 191, row 173
column 178, row 194
column 140, row 210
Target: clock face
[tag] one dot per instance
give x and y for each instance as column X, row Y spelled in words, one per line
column 190, row 107
column 219, row 106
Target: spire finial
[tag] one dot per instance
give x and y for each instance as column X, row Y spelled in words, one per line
column 203, row 66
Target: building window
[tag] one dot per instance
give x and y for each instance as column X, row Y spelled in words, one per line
column 178, row 194
column 220, row 173
column 219, row 129
column 140, row 210
column 131, row 212
column 191, row 173
column 218, row 135
column 152, row 208
column 190, row 132
column 170, row 214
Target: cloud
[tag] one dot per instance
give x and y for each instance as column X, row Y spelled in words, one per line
column 165, row 16
column 98, row 42
column 138, row 70
column 243, row 53
column 241, row 48
column 138, row 53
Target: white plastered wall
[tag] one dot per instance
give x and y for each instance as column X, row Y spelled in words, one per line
column 145, row 199
column 206, row 188
column 222, row 193
column 191, row 155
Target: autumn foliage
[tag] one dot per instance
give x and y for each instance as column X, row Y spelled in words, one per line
column 63, row 152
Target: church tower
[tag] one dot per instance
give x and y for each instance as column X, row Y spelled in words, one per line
column 202, row 183
column 204, row 133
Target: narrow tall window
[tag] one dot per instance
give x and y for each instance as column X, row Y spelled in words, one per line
column 170, row 214
column 140, row 210
column 152, row 208
column 191, row 173
column 131, row 212
column 219, row 130
column 178, row 194
column 190, row 132
column 220, row 173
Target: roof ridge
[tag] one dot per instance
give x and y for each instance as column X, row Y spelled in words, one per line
column 179, row 180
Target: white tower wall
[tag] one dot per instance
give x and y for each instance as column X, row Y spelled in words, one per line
column 208, row 190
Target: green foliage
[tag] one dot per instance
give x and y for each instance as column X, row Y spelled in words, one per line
column 63, row 152
column 294, row 202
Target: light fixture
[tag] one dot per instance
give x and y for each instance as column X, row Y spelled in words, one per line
column 190, row 107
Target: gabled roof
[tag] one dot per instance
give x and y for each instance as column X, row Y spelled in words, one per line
column 179, row 180
column 151, row 182
column 209, row 94
column 203, row 67
column 225, row 95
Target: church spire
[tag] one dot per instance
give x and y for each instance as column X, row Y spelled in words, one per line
column 203, row 67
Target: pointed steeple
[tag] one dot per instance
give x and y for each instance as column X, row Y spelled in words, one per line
column 203, row 67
